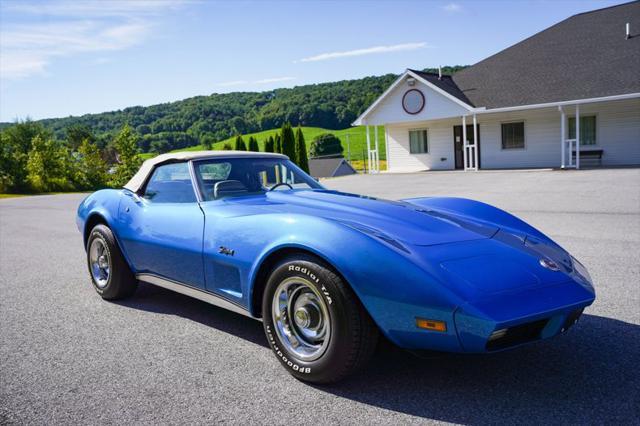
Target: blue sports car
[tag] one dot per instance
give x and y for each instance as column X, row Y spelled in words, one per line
column 327, row 271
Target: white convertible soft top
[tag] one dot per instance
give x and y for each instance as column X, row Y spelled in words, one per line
column 140, row 177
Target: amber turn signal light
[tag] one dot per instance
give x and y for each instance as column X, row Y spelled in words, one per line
column 432, row 325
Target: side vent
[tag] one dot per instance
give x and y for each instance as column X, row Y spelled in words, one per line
column 227, row 278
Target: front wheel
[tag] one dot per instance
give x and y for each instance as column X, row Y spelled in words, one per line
column 110, row 274
column 314, row 322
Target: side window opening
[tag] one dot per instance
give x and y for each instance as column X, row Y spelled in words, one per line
column 170, row 183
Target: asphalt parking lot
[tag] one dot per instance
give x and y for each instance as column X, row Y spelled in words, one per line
column 66, row 356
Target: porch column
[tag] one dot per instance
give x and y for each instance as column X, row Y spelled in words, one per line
column 368, row 149
column 577, row 136
column 386, row 146
column 562, row 136
column 376, row 160
column 464, row 143
column 475, row 143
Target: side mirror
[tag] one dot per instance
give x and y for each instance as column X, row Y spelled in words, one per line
column 134, row 196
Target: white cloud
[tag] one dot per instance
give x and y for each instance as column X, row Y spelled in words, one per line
column 74, row 27
column 366, row 51
column 452, row 7
column 233, row 83
column 101, row 60
column 95, row 8
column 261, row 81
column 274, row 80
column 20, row 64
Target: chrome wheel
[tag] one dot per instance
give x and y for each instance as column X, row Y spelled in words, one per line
column 100, row 262
column 301, row 318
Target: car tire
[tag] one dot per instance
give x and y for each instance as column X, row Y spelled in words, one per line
column 110, row 274
column 307, row 303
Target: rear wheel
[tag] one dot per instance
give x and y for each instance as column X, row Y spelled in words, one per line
column 314, row 322
column 110, row 274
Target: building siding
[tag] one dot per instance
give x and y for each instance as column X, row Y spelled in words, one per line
column 617, row 127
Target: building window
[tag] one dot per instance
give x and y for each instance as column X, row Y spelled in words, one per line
column 587, row 129
column 513, row 135
column 418, row 143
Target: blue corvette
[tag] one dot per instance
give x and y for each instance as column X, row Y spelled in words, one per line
column 328, row 271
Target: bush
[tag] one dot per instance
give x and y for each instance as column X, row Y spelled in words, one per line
column 253, row 144
column 325, row 144
column 207, row 142
column 269, row 145
column 240, row 145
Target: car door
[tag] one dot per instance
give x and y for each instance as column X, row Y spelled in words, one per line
column 161, row 229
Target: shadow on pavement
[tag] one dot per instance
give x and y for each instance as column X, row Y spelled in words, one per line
column 156, row 299
column 589, row 375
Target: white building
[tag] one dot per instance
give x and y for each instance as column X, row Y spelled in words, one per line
column 565, row 97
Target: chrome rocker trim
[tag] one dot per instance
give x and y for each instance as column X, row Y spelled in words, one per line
column 196, row 293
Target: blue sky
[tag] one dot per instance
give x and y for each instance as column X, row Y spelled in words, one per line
column 60, row 58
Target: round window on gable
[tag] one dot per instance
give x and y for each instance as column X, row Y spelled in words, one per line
column 413, row 101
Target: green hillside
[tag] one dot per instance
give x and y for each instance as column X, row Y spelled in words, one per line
column 219, row 116
column 99, row 150
column 357, row 140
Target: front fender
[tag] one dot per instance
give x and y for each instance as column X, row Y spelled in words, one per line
column 391, row 285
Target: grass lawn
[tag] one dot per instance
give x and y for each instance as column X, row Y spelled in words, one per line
column 356, row 135
column 359, row 165
column 13, row 195
column 40, row 193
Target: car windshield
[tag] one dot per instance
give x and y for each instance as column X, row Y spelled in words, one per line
column 226, row 177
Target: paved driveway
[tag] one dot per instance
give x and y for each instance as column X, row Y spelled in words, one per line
column 66, row 356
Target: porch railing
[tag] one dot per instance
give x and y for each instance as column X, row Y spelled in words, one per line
column 569, row 146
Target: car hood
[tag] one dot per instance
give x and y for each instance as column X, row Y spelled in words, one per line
column 396, row 219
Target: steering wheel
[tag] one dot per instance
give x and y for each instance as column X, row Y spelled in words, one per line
column 280, row 184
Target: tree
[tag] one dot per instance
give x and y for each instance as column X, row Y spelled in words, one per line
column 91, row 170
column 301, row 151
column 126, row 146
column 207, row 142
column 49, row 166
column 288, row 141
column 278, row 143
column 160, row 146
column 253, row 144
column 240, row 146
column 325, row 144
column 77, row 134
column 227, row 147
column 269, row 144
column 15, row 144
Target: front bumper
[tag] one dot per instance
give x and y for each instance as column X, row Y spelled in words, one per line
column 509, row 320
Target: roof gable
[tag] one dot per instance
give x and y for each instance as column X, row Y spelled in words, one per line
column 441, row 100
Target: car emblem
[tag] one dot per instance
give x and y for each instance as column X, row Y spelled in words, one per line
column 549, row 264
column 227, row 251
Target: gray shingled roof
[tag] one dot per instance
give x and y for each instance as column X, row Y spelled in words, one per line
column 584, row 56
column 326, row 167
column 445, row 83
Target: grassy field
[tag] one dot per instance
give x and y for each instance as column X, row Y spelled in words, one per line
column 12, row 195
column 356, row 135
column 35, row 193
